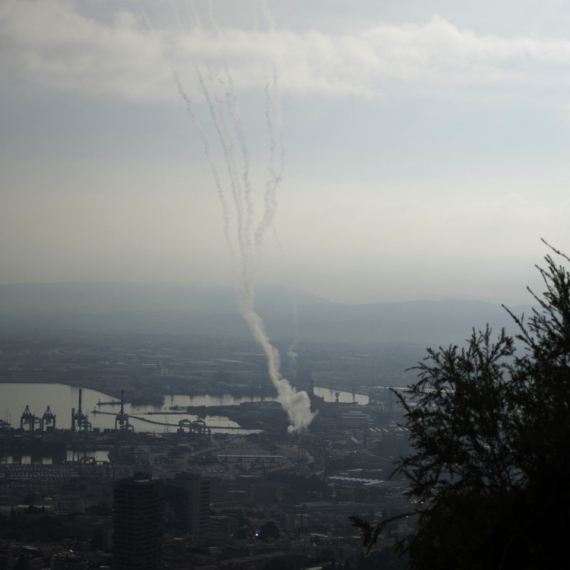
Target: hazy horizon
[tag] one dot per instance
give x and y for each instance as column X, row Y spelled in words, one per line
column 260, row 286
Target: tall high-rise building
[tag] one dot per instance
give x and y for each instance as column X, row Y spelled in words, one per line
column 138, row 511
column 188, row 497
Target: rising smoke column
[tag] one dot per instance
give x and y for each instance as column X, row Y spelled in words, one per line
column 217, row 86
column 296, row 404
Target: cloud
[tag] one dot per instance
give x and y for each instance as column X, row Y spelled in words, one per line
column 49, row 45
column 52, row 45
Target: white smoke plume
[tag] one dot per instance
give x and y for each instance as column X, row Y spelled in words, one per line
column 219, row 93
column 296, row 404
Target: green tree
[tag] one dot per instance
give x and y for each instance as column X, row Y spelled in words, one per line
column 489, row 424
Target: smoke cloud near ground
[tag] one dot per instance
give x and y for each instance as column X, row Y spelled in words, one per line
column 218, row 89
column 296, row 404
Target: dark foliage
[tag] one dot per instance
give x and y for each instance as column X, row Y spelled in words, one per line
column 269, row 531
column 489, row 470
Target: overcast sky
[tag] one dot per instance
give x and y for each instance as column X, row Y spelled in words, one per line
column 427, row 143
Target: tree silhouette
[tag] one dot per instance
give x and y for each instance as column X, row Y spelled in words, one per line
column 268, row 531
column 489, row 426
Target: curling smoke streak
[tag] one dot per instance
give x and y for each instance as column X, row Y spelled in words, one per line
column 218, row 119
column 276, row 158
column 206, row 145
column 296, row 404
column 193, row 13
column 236, row 117
column 219, row 94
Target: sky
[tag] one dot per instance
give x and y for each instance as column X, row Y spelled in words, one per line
column 424, row 145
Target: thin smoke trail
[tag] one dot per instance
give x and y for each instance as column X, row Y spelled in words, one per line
column 217, row 113
column 242, row 200
column 245, row 208
column 267, row 218
column 238, row 125
column 213, row 167
column 277, row 155
column 190, row 111
column 279, row 121
column 232, row 179
column 235, row 179
column 296, row 404
column 246, row 277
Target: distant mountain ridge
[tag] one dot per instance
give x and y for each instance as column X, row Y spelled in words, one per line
column 213, row 310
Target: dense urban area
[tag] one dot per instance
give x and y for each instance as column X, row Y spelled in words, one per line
column 174, row 491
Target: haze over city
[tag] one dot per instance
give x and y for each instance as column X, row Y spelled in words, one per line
column 426, row 143
column 263, row 284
